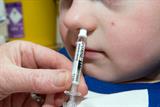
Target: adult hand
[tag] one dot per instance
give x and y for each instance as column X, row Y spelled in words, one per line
column 29, row 68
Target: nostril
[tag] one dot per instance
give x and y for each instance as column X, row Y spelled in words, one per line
column 89, row 33
column 76, row 20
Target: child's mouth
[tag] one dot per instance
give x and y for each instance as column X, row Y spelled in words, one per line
column 91, row 54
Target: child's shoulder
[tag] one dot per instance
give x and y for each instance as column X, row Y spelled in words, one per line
column 125, row 95
column 107, row 87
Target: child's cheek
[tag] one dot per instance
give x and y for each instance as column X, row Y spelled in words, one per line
column 133, row 39
column 62, row 27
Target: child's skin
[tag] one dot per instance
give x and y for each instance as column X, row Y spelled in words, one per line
column 123, row 36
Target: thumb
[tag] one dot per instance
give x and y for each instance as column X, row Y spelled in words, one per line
column 44, row 81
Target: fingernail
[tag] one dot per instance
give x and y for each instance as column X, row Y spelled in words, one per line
column 61, row 79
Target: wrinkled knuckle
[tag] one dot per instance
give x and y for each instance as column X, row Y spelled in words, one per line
column 36, row 79
column 63, row 70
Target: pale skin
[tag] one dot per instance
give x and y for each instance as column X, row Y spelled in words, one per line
column 123, row 37
column 29, row 68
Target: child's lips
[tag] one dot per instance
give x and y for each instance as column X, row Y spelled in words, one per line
column 91, row 54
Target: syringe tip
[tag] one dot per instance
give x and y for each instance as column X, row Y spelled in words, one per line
column 83, row 33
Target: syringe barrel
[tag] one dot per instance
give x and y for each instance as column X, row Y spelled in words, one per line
column 78, row 59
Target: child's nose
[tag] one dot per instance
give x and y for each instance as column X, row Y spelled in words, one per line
column 80, row 15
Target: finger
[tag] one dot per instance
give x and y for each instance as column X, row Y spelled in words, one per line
column 1, row 103
column 43, row 57
column 18, row 99
column 60, row 98
column 37, row 80
column 7, row 102
column 29, row 102
column 49, row 101
column 83, row 89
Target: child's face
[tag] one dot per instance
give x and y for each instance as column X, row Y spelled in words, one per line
column 123, row 36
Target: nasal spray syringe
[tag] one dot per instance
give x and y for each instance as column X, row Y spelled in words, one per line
column 76, row 70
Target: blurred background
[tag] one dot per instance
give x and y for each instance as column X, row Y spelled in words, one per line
column 30, row 20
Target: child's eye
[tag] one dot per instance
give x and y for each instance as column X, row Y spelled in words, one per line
column 111, row 2
column 108, row 1
column 65, row 4
column 116, row 5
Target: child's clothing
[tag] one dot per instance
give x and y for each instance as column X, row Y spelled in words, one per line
column 104, row 94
